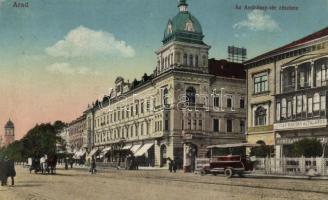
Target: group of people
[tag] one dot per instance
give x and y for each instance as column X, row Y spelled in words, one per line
column 7, row 169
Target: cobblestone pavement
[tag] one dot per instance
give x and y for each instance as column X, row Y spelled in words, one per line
column 78, row 184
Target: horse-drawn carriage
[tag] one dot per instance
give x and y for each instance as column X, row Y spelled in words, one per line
column 49, row 165
column 229, row 159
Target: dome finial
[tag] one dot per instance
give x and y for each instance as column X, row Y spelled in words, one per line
column 183, row 6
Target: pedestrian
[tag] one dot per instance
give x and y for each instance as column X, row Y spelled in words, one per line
column 3, row 173
column 66, row 163
column 170, row 164
column 10, row 170
column 71, row 162
column 43, row 164
column 93, row 166
column 174, row 165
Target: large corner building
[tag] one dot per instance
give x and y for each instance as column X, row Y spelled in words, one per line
column 188, row 103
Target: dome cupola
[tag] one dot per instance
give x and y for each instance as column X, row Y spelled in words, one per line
column 183, row 27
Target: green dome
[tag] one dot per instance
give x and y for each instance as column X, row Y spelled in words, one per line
column 183, row 27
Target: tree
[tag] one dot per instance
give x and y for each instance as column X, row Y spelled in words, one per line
column 307, row 148
column 263, row 150
column 59, row 125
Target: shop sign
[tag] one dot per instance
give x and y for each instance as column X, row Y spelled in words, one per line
column 301, row 124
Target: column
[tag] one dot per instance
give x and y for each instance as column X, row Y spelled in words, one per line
column 296, row 77
column 312, row 75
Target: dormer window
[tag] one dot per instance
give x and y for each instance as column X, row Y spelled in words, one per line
column 169, row 28
column 190, row 26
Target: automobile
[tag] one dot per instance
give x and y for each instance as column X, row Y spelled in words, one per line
column 229, row 159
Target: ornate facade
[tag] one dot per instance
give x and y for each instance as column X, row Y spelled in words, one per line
column 287, row 93
column 188, row 103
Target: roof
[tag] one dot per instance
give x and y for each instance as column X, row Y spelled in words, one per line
column 176, row 28
column 9, row 124
column 233, row 145
column 226, row 69
column 316, row 35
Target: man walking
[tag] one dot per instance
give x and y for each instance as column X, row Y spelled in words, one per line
column 93, row 166
column 3, row 173
column 10, row 170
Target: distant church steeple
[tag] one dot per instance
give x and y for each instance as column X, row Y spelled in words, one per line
column 9, row 136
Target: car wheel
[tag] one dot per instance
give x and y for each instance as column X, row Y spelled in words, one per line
column 202, row 172
column 228, row 172
column 241, row 175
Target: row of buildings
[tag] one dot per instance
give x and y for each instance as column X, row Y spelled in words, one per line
column 191, row 101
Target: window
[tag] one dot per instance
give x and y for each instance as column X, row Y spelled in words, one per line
column 165, row 96
column 216, row 101
column 137, row 108
column 204, row 60
column 289, row 109
column 142, row 107
column 215, row 125
column 323, row 103
column 200, row 124
column 166, row 125
column 299, row 104
column 191, row 60
column 229, row 101
column 229, row 125
column 283, row 109
column 310, row 108
column 321, row 72
column 131, row 109
column 278, row 112
column 242, row 103
column 196, row 61
column 191, row 95
column 122, row 113
column 261, row 83
column 242, row 126
column 182, row 124
column 316, row 103
column 189, row 124
column 185, row 57
column 260, row 116
column 141, row 128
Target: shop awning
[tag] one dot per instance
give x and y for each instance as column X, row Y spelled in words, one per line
column 79, row 154
column 93, row 151
column 104, row 152
column 128, row 146
column 143, row 149
column 135, row 148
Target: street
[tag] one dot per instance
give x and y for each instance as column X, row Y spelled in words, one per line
column 78, row 184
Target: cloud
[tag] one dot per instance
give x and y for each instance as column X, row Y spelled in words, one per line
column 257, row 20
column 83, row 41
column 68, row 69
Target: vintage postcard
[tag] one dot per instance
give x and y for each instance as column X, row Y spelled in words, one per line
column 163, row 99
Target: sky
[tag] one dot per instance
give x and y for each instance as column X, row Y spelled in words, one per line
column 56, row 57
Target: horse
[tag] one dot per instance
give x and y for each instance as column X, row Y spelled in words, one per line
column 51, row 164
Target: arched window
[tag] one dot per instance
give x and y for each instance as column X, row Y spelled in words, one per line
column 185, row 58
column 191, row 60
column 260, row 116
column 191, row 96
